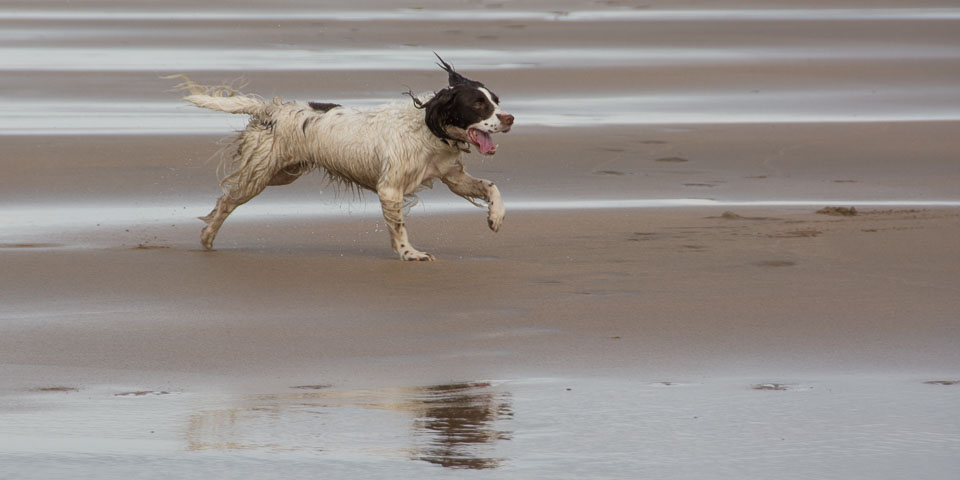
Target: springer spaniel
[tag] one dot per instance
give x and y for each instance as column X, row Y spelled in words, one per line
column 394, row 150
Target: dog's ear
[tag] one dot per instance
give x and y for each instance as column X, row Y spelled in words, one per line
column 440, row 112
column 454, row 78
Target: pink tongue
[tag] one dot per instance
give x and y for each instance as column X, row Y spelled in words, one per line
column 484, row 141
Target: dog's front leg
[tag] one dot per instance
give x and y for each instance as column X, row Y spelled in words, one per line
column 461, row 183
column 391, row 202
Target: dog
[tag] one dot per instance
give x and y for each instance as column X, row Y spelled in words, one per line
column 394, row 150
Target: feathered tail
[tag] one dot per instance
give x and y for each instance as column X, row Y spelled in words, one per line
column 222, row 98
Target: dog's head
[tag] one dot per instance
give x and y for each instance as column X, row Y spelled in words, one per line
column 466, row 111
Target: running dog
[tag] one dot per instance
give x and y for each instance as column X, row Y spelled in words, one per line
column 394, row 149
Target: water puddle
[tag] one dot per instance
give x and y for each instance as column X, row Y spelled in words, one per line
column 454, row 426
column 724, row 428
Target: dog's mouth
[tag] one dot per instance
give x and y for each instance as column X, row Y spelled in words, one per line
column 482, row 140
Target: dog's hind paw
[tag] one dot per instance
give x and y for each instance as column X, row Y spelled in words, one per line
column 206, row 238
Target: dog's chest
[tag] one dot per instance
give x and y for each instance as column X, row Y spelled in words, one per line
column 438, row 166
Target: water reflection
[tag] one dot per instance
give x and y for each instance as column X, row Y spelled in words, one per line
column 459, row 418
column 454, row 426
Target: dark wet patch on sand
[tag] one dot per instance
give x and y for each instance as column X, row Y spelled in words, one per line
column 775, row 263
column 672, row 160
column 140, row 393
column 319, row 386
column 606, row 293
column 57, row 388
column 31, row 245
column 728, row 215
column 894, row 212
column 838, row 211
column 797, row 234
column 145, row 246
column 609, row 172
column 777, row 387
column 699, row 185
column 641, row 236
column 943, row 382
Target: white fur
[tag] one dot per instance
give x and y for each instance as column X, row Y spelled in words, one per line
column 491, row 124
column 387, row 149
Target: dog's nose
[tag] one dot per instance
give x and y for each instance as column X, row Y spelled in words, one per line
column 505, row 118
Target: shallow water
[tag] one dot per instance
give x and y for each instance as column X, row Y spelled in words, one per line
column 717, row 107
column 833, row 427
column 39, row 221
column 836, row 64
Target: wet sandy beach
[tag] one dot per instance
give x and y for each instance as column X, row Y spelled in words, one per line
column 663, row 300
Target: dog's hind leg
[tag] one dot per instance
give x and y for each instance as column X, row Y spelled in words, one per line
column 251, row 186
column 214, row 220
column 391, row 201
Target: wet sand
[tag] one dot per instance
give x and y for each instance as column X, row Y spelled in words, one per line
column 663, row 300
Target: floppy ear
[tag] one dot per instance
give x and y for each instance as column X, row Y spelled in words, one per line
column 454, row 78
column 440, row 113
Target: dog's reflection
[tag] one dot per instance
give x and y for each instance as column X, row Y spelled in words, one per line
column 454, row 426
column 461, row 417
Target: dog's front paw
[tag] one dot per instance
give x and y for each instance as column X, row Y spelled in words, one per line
column 416, row 256
column 495, row 218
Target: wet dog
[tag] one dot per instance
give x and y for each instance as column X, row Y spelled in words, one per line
column 394, row 149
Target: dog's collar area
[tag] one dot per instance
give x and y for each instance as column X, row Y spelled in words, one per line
column 462, row 146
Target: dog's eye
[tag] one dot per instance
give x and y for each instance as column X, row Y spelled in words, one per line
column 479, row 104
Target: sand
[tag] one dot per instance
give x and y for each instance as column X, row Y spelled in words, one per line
column 663, row 300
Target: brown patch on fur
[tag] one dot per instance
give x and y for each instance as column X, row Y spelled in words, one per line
column 323, row 107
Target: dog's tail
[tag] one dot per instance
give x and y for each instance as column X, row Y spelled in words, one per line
column 222, row 98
